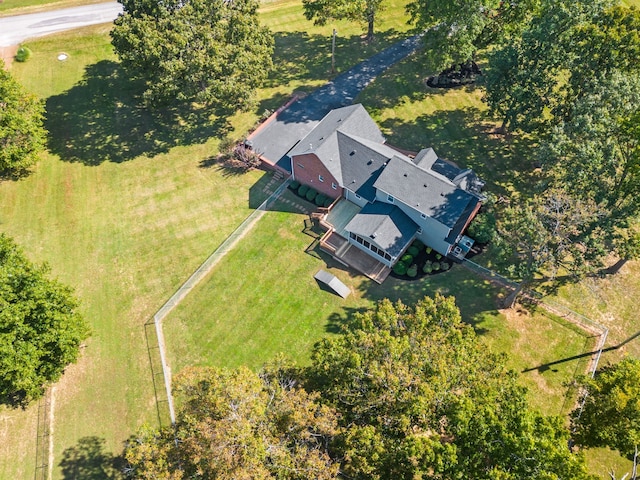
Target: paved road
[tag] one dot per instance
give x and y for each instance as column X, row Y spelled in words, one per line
column 291, row 125
column 16, row 29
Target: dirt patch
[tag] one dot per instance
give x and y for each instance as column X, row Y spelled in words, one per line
column 8, row 53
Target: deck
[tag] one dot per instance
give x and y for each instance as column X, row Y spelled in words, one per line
column 335, row 243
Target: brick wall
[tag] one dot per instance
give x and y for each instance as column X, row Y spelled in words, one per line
column 308, row 169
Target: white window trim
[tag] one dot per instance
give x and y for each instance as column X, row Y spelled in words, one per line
column 320, row 178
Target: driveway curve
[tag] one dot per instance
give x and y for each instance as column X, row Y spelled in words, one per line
column 275, row 139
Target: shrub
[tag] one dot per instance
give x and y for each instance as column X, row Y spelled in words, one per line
column 414, row 251
column 435, row 266
column 407, row 259
column 483, row 228
column 438, row 256
column 444, row 266
column 311, row 195
column 412, row 271
column 400, row 268
column 320, row 199
column 294, row 185
column 428, row 250
column 418, row 244
column 328, row 202
column 23, row 54
column 427, row 268
column 302, row 190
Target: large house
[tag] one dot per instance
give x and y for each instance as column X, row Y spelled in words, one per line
column 396, row 198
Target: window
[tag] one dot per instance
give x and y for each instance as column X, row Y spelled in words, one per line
column 419, row 231
column 387, row 257
column 321, row 178
column 300, row 165
column 359, row 240
column 366, row 244
column 352, row 235
column 357, row 196
column 390, row 198
column 334, row 186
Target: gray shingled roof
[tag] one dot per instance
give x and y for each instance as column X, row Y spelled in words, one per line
column 425, row 191
column 384, row 225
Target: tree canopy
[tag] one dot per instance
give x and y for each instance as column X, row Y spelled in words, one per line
column 611, row 413
column 22, row 134
column 404, row 392
column 237, row 424
column 456, row 29
column 363, row 11
column 40, row 327
column 212, row 52
column 419, row 396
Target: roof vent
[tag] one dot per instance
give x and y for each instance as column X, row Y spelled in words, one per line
column 369, row 162
column 425, row 185
column 373, row 235
column 353, row 152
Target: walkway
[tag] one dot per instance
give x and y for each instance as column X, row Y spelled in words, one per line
column 274, row 140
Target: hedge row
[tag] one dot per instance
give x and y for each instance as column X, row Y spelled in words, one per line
column 308, row 193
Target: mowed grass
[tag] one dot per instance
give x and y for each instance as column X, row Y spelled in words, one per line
column 124, row 234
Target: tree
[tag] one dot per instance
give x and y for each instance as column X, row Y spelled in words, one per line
column 611, row 413
column 525, row 76
column 364, row 11
column 540, row 236
column 40, row 327
column 237, row 424
column 418, row 396
column 212, row 52
column 596, row 155
column 456, row 30
column 22, row 133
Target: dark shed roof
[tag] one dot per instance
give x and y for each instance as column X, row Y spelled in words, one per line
column 384, row 225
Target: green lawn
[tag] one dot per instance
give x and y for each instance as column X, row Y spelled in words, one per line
column 125, row 206
column 261, row 300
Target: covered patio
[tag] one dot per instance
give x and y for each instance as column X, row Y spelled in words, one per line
column 335, row 243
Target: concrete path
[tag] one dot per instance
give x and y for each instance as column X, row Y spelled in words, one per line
column 16, row 29
column 291, row 125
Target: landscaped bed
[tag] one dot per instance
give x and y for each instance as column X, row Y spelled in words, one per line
column 418, row 261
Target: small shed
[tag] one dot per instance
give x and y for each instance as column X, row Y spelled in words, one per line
column 333, row 283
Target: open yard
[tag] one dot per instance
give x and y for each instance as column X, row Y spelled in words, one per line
column 124, row 206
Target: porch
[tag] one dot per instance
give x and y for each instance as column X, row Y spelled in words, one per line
column 335, row 243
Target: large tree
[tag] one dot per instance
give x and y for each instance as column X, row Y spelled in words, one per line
column 611, row 413
column 364, row 11
column 526, row 76
column 22, row 133
column 40, row 327
column 239, row 425
column 456, row 29
column 595, row 154
column 212, row 52
column 551, row 232
column 419, row 396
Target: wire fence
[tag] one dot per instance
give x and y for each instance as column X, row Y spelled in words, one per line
column 42, row 439
column 593, row 328
column 195, row 278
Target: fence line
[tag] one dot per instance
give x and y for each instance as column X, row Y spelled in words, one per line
column 42, row 437
column 583, row 322
column 196, row 277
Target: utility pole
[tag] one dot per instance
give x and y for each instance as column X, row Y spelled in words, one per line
column 333, row 52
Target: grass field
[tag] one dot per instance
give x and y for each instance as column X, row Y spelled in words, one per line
column 124, row 207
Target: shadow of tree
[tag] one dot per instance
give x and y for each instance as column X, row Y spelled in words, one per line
column 88, row 460
column 475, row 296
column 299, row 56
column 100, row 119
